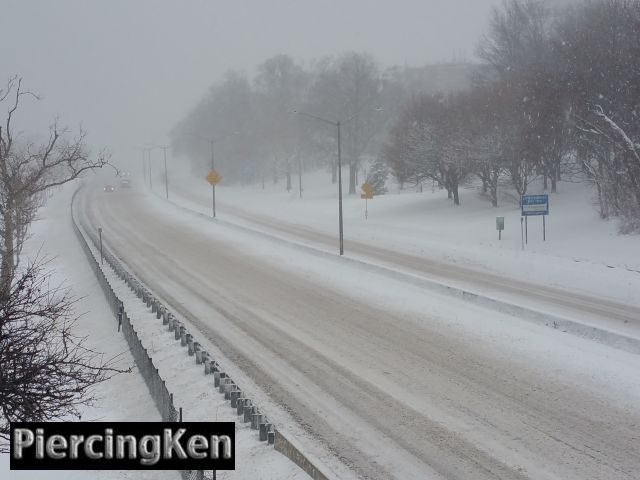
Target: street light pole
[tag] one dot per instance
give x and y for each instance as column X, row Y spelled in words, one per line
column 144, row 167
column 338, row 125
column 150, row 178
column 213, row 186
column 340, row 224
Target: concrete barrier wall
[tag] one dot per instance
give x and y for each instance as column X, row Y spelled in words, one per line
column 284, row 446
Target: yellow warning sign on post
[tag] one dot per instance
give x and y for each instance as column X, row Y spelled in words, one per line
column 368, row 191
column 214, row 177
column 367, row 195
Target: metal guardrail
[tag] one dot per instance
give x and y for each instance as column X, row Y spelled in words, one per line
column 239, row 401
column 156, row 385
column 243, row 405
column 161, row 395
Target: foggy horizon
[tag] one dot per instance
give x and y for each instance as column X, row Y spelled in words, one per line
column 97, row 64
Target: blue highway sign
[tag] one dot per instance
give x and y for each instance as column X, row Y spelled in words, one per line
column 534, row 205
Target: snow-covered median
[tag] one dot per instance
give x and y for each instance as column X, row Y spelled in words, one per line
column 582, row 253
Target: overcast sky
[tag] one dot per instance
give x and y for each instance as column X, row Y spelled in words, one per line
column 128, row 70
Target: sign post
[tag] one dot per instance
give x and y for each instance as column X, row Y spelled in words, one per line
column 534, row 206
column 367, row 195
column 213, row 178
column 500, row 226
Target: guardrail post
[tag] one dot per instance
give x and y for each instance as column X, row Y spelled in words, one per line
column 235, row 395
column 218, row 378
column 240, row 405
column 223, row 381
column 264, row 430
column 256, row 418
column 248, row 411
column 228, row 388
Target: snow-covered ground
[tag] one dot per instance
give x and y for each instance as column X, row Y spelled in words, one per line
column 124, row 397
column 582, row 253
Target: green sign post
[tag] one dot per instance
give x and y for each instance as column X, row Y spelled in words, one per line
column 500, row 226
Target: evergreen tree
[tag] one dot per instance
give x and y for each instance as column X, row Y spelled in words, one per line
column 378, row 175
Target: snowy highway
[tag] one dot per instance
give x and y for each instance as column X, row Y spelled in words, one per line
column 597, row 311
column 415, row 386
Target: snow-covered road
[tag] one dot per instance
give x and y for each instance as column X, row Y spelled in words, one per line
column 395, row 381
column 597, row 311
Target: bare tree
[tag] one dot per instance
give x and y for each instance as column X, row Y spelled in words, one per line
column 520, row 49
column 281, row 85
column 348, row 88
column 431, row 141
column 26, row 171
column 46, row 371
column 602, row 71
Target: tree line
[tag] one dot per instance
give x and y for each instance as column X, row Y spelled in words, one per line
column 556, row 98
column 260, row 131
column 560, row 99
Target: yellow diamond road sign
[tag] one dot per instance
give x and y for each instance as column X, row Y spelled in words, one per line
column 214, row 177
column 368, row 191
